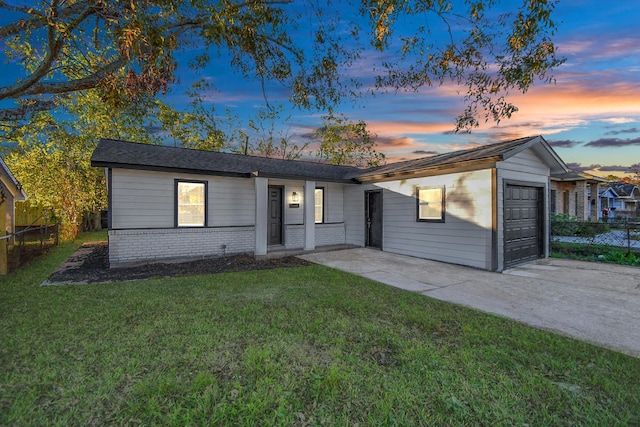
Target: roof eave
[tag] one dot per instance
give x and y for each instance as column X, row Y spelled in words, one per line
column 13, row 185
column 303, row 178
column 156, row 168
column 486, row 163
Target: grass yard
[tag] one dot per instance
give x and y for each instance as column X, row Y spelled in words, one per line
column 298, row 346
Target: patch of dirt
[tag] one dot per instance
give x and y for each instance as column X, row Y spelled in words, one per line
column 90, row 264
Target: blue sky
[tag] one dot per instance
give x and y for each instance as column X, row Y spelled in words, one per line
column 591, row 115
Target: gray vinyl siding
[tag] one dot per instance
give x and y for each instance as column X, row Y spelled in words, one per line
column 465, row 237
column 146, row 199
column 354, row 213
column 524, row 168
column 333, row 202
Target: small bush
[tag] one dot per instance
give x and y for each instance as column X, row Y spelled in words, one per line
column 568, row 225
column 622, row 258
column 563, row 224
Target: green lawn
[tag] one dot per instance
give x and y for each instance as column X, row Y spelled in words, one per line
column 298, row 346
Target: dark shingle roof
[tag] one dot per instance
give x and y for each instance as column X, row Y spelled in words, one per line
column 130, row 155
column 622, row 189
column 489, row 152
column 576, row 176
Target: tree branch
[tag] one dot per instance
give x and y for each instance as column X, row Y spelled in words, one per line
column 40, row 20
column 19, row 113
column 88, row 82
column 55, row 46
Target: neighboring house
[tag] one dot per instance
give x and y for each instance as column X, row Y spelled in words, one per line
column 485, row 207
column 575, row 193
column 10, row 192
column 620, row 200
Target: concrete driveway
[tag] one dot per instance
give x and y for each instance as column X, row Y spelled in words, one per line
column 598, row 303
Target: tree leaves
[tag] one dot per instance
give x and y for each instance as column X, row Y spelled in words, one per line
column 488, row 46
column 344, row 142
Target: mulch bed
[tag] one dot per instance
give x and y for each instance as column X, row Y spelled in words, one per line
column 91, row 265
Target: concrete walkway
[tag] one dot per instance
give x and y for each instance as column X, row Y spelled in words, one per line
column 598, row 303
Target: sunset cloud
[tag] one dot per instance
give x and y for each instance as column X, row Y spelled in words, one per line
column 425, row 153
column 390, row 142
column 622, row 131
column 613, row 142
column 577, row 167
column 563, row 143
column 614, row 168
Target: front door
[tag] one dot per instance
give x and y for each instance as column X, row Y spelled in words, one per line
column 373, row 218
column 274, row 221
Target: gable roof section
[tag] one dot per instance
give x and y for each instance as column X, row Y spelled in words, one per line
column 130, row 155
column 482, row 157
column 10, row 182
column 623, row 190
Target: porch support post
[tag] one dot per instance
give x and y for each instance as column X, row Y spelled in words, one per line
column 595, row 207
column 309, row 215
column 262, row 187
column 582, row 201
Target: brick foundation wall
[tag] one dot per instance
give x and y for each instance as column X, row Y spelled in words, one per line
column 138, row 246
column 330, row 234
column 294, row 236
column 326, row 234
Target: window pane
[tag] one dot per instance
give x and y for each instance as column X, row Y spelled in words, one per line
column 430, row 204
column 191, row 200
column 430, row 211
column 430, row 195
column 319, row 200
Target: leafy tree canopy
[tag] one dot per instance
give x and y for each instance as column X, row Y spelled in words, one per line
column 343, row 142
column 129, row 48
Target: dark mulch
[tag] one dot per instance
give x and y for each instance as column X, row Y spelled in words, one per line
column 93, row 267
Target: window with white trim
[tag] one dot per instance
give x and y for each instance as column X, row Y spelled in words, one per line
column 319, row 202
column 191, row 203
column 430, row 203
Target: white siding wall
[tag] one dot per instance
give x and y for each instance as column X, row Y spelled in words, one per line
column 523, row 168
column 354, row 213
column 141, row 199
column 145, row 199
column 464, row 237
column 334, row 202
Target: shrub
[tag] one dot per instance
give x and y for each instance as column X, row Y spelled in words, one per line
column 563, row 224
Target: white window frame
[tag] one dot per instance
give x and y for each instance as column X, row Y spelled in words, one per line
column 438, row 203
column 321, row 206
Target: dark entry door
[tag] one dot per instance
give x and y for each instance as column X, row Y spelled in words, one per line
column 523, row 227
column 373, row 218
column 274, row 222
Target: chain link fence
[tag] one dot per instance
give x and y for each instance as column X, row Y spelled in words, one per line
column 30, row 242
column 594, row 238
